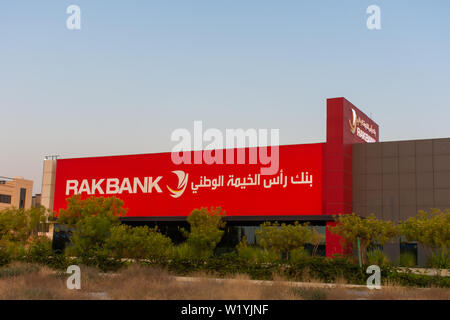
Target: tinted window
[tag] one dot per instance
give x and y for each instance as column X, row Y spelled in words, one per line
column 5, row 198
column 23, row 194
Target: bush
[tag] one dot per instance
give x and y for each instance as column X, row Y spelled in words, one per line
column 183, row 252
column 327, row 270
column 256, row 254
column 416, row 280
column 377, row 257
column 439, row 261
column 287, row 237
column 39, row 250
column 100, row 259
column 15, row 250
column 407, row 259
column 137, row 243
column 322, row 269
column 205, row 231
column 5, row 257
column 299, row 254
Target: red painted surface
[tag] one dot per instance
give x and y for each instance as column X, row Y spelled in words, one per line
column 337, row 162
column 285, row 199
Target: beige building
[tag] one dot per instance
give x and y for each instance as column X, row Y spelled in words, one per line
column 15, row 192
column 36, row 200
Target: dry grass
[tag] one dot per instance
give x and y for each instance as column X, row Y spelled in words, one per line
column 25, row 281
column 139, row 282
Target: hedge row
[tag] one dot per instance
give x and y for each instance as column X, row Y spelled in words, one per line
column 314, row 268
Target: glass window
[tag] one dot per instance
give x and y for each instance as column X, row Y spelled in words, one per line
column 5, row 198
column 23, row 194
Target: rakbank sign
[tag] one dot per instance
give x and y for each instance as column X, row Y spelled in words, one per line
column 151, row 185
column 113, row 186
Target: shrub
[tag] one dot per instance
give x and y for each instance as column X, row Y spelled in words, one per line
column 439, row 261
column 286, row 237
column 416, row 280
column 298, row 254
column 327, row 270
column 5, row 257
column 407, row 259
column 256, row 254
column 15, row 250
column 39, row 250
column 205, row 231
column 137, row 243
column 377, row 257
column 183, row 252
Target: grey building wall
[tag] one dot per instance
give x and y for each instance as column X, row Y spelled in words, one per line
column 394, row 180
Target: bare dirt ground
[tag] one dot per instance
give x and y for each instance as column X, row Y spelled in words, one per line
column 25, row 281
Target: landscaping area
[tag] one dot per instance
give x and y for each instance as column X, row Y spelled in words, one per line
column 33, row 281
column 122, row 262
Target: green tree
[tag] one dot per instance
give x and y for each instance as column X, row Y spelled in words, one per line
column 78, row 210
column 286, row 237
column 432, row 231
column 20, row 225
column 91, row 220
column 369, row 230
column 206, row 230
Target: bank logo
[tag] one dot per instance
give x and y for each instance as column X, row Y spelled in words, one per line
column 182, row 183
column 353, row 123
column 359, row 127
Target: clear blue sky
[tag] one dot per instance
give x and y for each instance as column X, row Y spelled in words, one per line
column 137, row 70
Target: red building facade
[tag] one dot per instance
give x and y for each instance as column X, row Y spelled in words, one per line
column 314, row 181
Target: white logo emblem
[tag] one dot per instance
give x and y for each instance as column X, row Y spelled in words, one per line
column 353, row 124
column 182, row 183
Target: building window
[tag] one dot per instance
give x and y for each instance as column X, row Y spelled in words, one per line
column 5, row 198
column 23, row 194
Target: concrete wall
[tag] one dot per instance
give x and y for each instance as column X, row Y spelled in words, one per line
column 12, row 188
column 393, row 180
column 48, row 184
